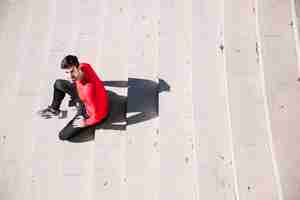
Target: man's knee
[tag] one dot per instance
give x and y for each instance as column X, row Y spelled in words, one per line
column 60, row 84
column 62, row 136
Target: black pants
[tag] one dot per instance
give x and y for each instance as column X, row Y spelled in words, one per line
column 61, row 88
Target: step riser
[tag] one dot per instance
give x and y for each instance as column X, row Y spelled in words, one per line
column 142, row 154
column 110, row 143
column 248, row 118
column 211, row 117
column 282, row 89
column 176, row 133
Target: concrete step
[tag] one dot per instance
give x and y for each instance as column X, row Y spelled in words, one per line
column 295, row 23
column 76, row 34
column 178, row 176
column 253, row 163
column 280, row 67
column 142, row 145
column 7, row 16
column 20, row 92
column 111, row 66
column 43, row 150
column 4, row 8
column 213, row 139
column 14, row 21
column 51, row 169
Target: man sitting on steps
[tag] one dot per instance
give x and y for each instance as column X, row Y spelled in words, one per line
column 87, row 94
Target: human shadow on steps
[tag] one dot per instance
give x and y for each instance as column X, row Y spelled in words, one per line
column 140, row 105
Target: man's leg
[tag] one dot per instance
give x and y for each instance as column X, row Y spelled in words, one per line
column 61, row 88
column 69, row 131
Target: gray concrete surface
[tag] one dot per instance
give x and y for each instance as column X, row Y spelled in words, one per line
column 142, row 152
column 210, row 89
column 213, row 140
column 177, row 164
column 252, row 155
column 280, row 66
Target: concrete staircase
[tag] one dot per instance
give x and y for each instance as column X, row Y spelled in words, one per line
column 204, row 95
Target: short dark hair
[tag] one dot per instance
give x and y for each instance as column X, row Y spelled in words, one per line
column 69, row 61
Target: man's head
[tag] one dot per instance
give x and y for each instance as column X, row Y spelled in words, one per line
column 70, row 65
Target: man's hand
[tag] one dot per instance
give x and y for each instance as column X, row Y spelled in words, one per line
column 78, row 122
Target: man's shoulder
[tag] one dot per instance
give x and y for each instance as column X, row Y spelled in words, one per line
column 85, row 65
column 91, row 73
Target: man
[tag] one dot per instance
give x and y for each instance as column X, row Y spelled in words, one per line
column 87, row 93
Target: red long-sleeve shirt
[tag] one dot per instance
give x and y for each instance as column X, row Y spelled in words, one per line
column 92, row 93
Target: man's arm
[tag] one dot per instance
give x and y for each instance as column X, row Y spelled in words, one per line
column 91, row 101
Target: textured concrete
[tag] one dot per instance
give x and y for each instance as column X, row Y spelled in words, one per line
column 177, row 165
column 210, row 89
column 248, row 119
column 213, row 140
column 110, row 142
column 279, row 61
column 142, row 152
